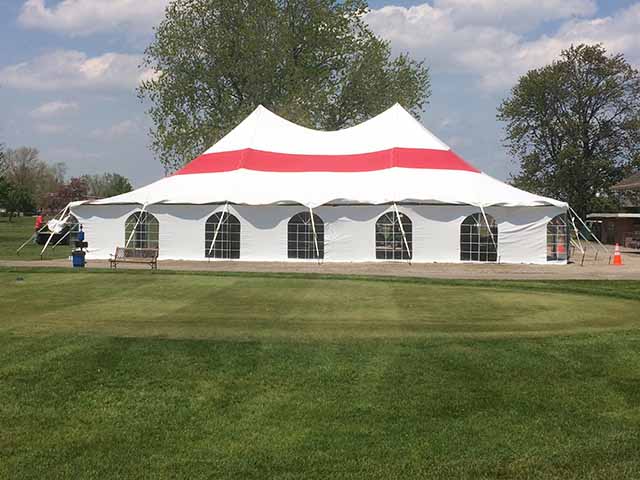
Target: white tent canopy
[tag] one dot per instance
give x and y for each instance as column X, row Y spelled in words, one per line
column 386, row 189
column 390, row 158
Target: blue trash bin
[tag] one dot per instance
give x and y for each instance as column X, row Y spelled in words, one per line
column 78, row 258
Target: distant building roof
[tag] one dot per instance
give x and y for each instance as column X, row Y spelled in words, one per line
column 629, row 183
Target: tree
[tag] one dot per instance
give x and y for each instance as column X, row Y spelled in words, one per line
column 315, row 62
column 29, row 174
column 14, row 198
column 574, row 126
column 75, row 190
column 3, row 160
column 106, row 185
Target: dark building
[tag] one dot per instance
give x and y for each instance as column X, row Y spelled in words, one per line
column 623, row 227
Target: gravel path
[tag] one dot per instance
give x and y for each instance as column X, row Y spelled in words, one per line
column 591, row 269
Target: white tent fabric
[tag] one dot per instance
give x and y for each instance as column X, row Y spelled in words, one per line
column 267, row 170
column 263, row 132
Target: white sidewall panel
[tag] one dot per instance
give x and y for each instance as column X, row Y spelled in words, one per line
column 349, row 230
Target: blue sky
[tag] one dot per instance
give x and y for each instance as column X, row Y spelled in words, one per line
column 69, row 68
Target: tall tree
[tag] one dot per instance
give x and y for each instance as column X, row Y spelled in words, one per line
column 14, row 198
column 3, row 161
column 75, row 190
column 574, row 126
column 106, row 185
column 315, row 62
column 30, row 174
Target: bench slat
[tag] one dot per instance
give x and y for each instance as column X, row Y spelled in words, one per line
column 135, row 255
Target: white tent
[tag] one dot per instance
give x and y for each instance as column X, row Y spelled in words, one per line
column 271, row 190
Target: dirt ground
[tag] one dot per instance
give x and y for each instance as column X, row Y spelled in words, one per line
column 592, row 268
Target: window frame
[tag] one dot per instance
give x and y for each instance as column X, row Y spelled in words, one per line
column 476, row 239
column 300, row 237
column 229, row 240
column 388, row 237
column 552, row 237
column 143, row 229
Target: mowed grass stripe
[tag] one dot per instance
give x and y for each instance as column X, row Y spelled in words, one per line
column 557, row 407
column 205, row 376
column 250, row 308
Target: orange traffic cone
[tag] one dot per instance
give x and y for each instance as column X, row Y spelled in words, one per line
column 561, row 249
column 617, row 258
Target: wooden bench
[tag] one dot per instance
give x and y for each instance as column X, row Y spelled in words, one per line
column 135, row 255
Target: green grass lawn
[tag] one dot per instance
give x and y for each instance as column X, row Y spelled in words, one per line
column 15, row 233
column 133, row 374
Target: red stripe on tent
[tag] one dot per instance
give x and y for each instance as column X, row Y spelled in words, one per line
column 285, row 162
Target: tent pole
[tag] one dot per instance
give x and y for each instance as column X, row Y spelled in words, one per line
column 144, row 206
column 62, row 238
column 588, row 229
column 65, row 236
column 39, row 231
column 404, row 236
column 64, row 210
column 46, row 245
column 215, row 235
column 576, row 244
column 484, row 215
column 30, row 238
column 315, row 236
column 575, row 229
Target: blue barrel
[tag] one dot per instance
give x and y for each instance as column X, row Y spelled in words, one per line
column 78, row 258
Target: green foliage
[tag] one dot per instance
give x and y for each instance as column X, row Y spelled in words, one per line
column 3, row 160
column 138, row 375
column 315, row 62
column 574, row 126
column 15, row 198
column 106, row 185
column 74, row 190
column 32, row 178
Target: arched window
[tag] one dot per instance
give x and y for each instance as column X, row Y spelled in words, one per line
column 390, row 242
column 146, row 230
column 227, row 240
column 302, row 243
column 557, row 238
column 479, row 240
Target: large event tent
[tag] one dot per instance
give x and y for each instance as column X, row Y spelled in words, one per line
column 386, row 189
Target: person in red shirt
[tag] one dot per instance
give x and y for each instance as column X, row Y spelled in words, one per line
column 39, row 222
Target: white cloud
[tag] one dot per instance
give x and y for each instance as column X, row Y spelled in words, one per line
column 519, row 15
column 495, row 55
column 118, row 130
column 70, row 69
column 50, row 109
column 84, row 17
